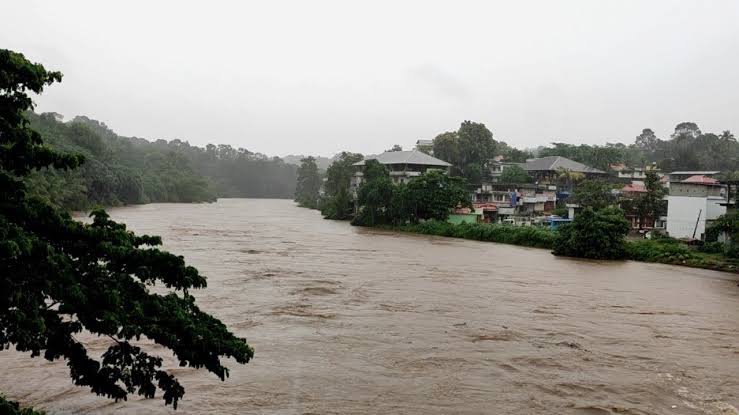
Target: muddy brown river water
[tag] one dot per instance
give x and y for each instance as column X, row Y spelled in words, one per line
column 347, row 320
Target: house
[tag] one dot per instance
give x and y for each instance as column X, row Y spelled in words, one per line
column 546, row 169
column 693, row 203
column 425, row 146
column 402, row 165
column 677, row 176
column 514, row 202
column 634, row 173
column 496, row 167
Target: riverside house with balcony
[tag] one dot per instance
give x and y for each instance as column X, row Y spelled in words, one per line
column 403, row 166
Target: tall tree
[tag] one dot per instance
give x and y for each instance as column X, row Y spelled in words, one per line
column 374, row 195
column 647, row 141
column 308, row 185
column 433, row 194
column 446, row 147
column 337, row 200
column 650, row 204
column 515, row 174
column 594, row 194
column 59, row 277
column 476, row 147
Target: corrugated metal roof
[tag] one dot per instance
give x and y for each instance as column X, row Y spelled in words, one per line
column 406, row 157
column 558, row 162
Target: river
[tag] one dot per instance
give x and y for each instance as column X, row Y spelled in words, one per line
column 351, row 320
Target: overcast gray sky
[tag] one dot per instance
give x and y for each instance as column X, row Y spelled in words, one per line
column 317, row 77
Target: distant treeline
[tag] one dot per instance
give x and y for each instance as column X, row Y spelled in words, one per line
column 127, row 170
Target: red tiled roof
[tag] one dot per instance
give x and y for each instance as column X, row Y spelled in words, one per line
column 634, row 188
column 699, row 179
column 485, row 206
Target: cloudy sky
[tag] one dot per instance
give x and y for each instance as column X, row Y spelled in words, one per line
column 317, row 77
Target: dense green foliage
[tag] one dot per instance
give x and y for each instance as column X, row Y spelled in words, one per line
column 60, row 277
column 507, row 234
column 308, row 183
column 122, row 170
column 687, row 149
column 116, row 171
column 649, row 205
column 728, row 225
column 374, row 196
column 13, row 408
column 594, row 234
column 468, row 150
column 337, row 202
column 594, row 194
column 515, row 174
column 429, row 196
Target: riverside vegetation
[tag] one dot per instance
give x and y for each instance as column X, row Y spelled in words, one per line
column 122, row 170
column 598, row 232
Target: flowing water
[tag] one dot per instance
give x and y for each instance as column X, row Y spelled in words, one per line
column 351, row 320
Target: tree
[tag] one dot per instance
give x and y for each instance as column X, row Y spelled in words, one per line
column 647, row 141
column 432, row 196
column 59, row 277
column 396, row 147
column 446, row 147
column 728, row 224
column 476, row 147
column 339, row 173
column 569, row 178
column 468, row 150
column 308, row 184
column 593, row 234
column 650, row 204
column 686, row 130
column 515, row 174
column 594, row 194
column 337, row 200
column 374, row 195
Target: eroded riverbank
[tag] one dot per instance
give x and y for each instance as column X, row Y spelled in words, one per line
column 353, row 320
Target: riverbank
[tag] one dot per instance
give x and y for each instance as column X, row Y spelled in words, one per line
column 665, row 251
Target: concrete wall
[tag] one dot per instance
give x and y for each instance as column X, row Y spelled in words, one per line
column 682, row 212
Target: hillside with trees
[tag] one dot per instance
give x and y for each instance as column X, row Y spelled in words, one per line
column 128, row 170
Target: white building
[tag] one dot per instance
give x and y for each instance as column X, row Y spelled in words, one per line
column 692, row 205
column 402, row 166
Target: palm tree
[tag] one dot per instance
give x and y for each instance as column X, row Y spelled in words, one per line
column 568, row 178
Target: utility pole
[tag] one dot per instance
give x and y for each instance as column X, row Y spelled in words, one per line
column 696, row 223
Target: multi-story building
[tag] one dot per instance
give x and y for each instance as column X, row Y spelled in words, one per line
column 547, row 169
column 402, row 166
column 677, row 176
column 425, row 146
column 518, row 203
column 693, row 203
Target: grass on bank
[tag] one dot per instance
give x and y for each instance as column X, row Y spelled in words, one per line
column 663, row 250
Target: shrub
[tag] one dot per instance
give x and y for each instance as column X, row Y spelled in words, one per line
column 516, row 235
column 658, row 251
column 594, row 234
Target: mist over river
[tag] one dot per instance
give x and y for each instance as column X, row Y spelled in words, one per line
column 350, row 320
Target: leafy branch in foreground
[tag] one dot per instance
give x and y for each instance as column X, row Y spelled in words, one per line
column 60, row 277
